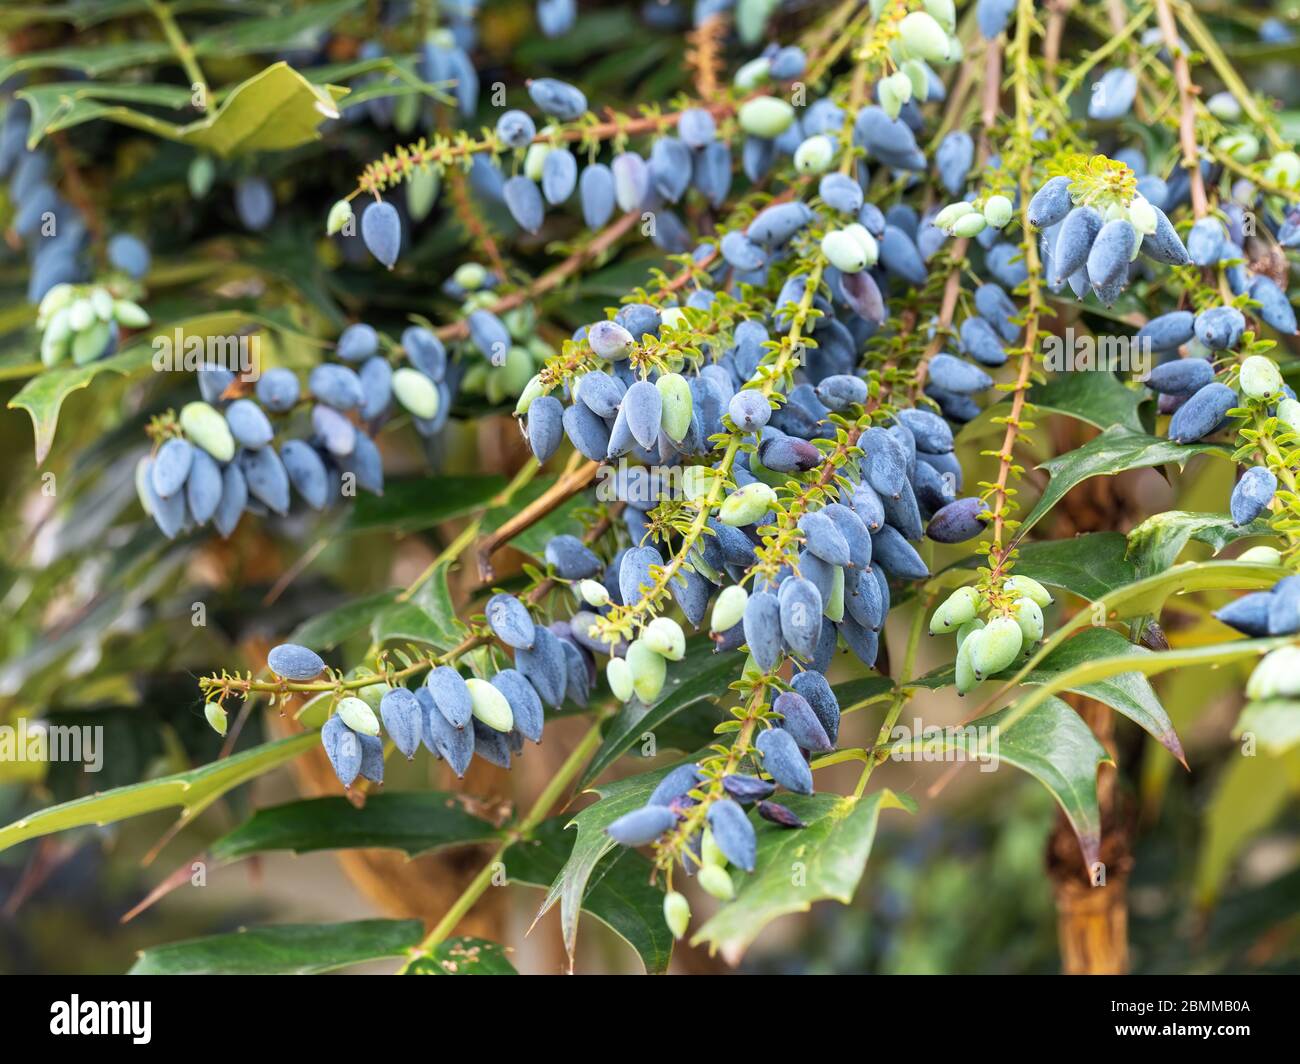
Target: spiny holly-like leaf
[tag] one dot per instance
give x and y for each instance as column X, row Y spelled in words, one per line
column 830, row 855
column 283, row 949
column 1099, row 399
column 591, row 845
column 1158, row 541
column 700, row 676
column 619, row 893
column 1114, row 451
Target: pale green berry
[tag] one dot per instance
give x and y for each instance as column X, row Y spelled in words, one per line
column 814, row 155
column 535, row 159
column 965, row 675
column 969, row 225
column 1142, row 216
column 1277, row 675
column 490, row 705
column 997, row 211
column 1284, row 169
column 843, row 252
column 421, row 191
column 1288, row 412
column 995, row 647
column 339, row 216
column 746, row 505
column 54, row 347
column 216, row 715
column 1223, row 105
column 893, row 92
column 470, row 276
column 81, row 315
column 619, row 675
column 1114, row 212
column 752, row 74
column 697, row 482
column 765, row 116
column 357, row 715
column 677, row 913
column 675, row 399
column 715, row 882
column 1241, row 146
column 89, row 344
column 56, row 299
column 204, row 427
column 373, row 694
column 102, row 301
column 958, row 608
column 649, row 670
column 532, row 390
column 966, row 629
column 923, row 38
column 1029, row 615
column 865, row 240
column 710, row 854
column 918, row 75
column 593, row 593
column 943, row 12
column 665, row 637
column 835, row 604
column 673, row 318
column 129, row 315
column 1261, row 555
column 729, row 608
column 1260, row 378
column 948, row 215
column 1029, row 587
column 416, row 392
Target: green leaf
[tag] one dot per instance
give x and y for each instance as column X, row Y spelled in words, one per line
column 1158, row 541
column 428, row 617
column 274, row 110
column 856, row 694
column 1089, row 566
column 1250, row 793
column 1052, row 743
column 462, row 956
column 42, row 396
column 414, row 505
column 283, row 949
column 194, row 791
column 592, row 845
column 1114, row 451
column 1274, row 724
column 327, row 630
column 700, row 676
column 93, row 60
column 1088, row 672
column 795, row 868
column 1127, row 692
column 1097, row 398
column 619, row 893
column 413, row 822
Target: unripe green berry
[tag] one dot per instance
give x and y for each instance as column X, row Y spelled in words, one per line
column 995, row 647
column 1261, row 555
column 490, row 705
column 997, row 211
column 765, row 116
column 746, row 505
column 619, row 675
column 1260, row 378
column 665, row 637
column 649, row 670
column 923, row 37
column 677, row 913
column 675, row 398
column 357, row 715
column 814, row 155
column 729, row 608
column 1024, row 585
column 715, row 882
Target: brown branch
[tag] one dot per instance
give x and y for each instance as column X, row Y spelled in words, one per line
column 1187, row 93
column 552, row 278
column 704, row 54
column 558, row 493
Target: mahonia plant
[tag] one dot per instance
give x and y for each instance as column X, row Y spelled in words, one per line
column 841, row 266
